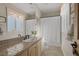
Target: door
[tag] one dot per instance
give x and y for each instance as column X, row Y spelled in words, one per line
column 50, row 31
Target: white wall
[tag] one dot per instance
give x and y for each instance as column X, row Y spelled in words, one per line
column 50, row 30
column 66, row 47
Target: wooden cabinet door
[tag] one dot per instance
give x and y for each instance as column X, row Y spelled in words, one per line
column 32, row 51
column 35, row 50
column 38, row 48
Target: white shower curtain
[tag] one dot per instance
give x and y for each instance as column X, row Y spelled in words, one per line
column 50, row 31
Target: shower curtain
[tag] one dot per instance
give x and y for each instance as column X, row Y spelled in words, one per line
column 50, row 31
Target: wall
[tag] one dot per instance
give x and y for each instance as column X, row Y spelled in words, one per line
column 66, row 47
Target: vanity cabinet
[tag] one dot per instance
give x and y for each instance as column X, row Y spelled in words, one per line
column 33, row 50
column 38, row 48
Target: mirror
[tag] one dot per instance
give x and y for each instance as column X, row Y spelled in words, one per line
column 20, row 25
column 11, row 19
column 15, row 22
column 2, row 24
column 11, row 23
column 31, row 27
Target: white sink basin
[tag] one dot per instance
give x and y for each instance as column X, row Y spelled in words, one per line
column 28, row 40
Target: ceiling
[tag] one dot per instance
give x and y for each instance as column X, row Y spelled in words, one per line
column 46, row 9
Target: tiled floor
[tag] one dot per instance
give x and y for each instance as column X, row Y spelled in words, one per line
column 52, row 51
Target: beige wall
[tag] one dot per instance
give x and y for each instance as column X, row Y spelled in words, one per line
column 66, row 44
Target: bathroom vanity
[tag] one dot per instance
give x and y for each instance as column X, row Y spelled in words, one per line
column 31, row 48
column 19, row 47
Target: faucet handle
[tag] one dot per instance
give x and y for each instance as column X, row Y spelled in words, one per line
column 19, row 35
